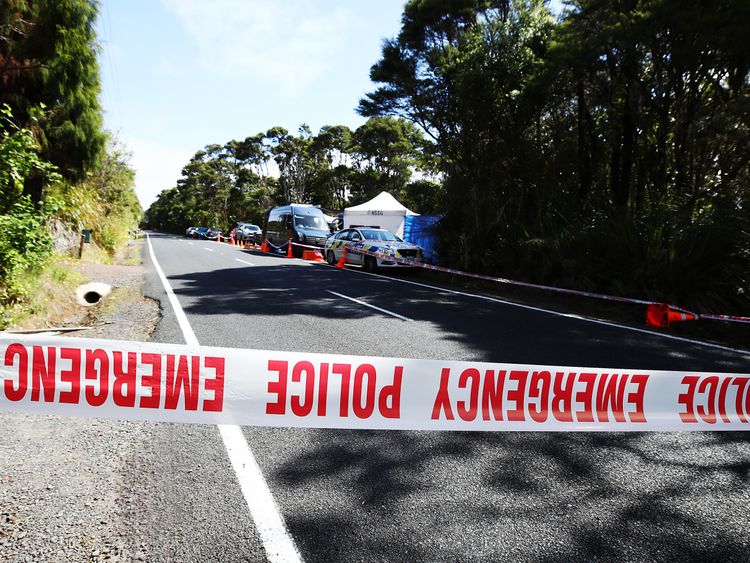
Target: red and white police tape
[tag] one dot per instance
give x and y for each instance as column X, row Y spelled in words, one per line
column 297, row 244
column 632, row 300
column 207, row 385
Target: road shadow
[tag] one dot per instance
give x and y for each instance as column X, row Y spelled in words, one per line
column 450, row 496
column 492, row 331
column 439, row 496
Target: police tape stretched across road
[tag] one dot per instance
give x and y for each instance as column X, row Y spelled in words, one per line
column 172, row 383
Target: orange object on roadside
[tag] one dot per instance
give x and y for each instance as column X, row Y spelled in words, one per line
column 264, row 246
column 660, row 315
column 289, row 252
column 312, row 256
column 679, row 316
column 341, row 264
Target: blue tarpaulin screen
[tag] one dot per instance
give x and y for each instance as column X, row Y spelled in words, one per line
column 419, row 229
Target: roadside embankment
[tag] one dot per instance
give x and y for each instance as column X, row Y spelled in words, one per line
column 66, row 490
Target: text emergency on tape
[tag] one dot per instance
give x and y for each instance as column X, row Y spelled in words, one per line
column 172, row 383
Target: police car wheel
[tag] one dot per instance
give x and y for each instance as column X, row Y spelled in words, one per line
column 331, row 258
column 370, row 264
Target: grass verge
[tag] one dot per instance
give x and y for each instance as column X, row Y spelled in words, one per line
column 50, row 291
column 50, row 296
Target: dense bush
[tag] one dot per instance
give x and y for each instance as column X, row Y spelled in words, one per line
column 53, row 160
column 104, row 202
column 605, row 149
column 24, row 245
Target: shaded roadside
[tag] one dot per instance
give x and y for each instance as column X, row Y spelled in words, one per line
column 731, row 334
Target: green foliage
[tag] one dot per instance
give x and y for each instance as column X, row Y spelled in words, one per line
column 385, row 152
column 337, row 167
column 424, row 196
column 105, row 202
column 219, row 186
column 24, row 244
column 19, row 158
column 53, row 163
column 48, row 59
column 608, row 150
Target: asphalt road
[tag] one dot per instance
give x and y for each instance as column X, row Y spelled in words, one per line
column 430, row 496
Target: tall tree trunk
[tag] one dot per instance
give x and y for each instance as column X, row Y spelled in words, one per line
column 629, row 119
column 584, row 151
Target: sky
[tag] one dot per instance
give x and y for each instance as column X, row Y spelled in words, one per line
column 178, row 75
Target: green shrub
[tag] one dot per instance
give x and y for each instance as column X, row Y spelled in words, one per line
column 24, row 245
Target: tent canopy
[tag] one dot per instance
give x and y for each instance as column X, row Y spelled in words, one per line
column 382, row 211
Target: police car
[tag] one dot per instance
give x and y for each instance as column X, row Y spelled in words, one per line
column 373, row 240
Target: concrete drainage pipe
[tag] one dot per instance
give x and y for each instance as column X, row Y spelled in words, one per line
column 91, row 293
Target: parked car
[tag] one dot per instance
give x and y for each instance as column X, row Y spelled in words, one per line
column 302, row 223
column 247, row 232
column 374, row 240
column 212, row 233
column 190, row 231
column 200, row 232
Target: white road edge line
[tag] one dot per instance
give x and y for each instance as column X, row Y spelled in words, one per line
column 391, row 313
column 245, row 262
column 558, row 313
column 277, row 542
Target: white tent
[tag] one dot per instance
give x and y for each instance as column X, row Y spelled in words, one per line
column 382, row 211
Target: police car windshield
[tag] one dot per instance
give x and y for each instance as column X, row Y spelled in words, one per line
column 310, row 221
column 371, row 234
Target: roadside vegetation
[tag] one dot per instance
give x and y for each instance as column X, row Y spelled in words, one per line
column 606, row 149
column 240, row 180
column 60, row 172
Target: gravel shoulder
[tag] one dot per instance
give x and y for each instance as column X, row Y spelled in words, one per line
column 66, row 484
column 101, row 490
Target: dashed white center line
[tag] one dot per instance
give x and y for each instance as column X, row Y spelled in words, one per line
column 244, row 262
column 391, row 313
column 209, row 249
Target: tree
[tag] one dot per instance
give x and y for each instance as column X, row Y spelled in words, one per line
column 661, row 141
column 385, row 152
column 48, row 60
column 464, row 72
column 608, row 150
column 332, row 180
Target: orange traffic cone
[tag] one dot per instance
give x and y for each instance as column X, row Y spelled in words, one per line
column 680, row 316
column 264, row 246
column 341, row 264
column 289, row 252
column 657, row 315
column 660, row 315
column 312, row 256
